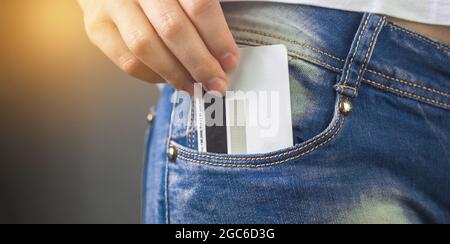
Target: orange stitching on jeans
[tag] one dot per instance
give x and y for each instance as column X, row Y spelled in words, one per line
column 421, row 37
column 369, row 51
column 347, row 87
column 356, row 49
column 268, row 164
column 409, row 83
column 268, row 157
column 408, row 94
column 287, row 40
column 292, row 53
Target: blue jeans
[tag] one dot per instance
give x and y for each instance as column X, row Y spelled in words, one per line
column 371, row 122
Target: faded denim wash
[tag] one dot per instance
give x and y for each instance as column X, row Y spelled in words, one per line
column 386, row 161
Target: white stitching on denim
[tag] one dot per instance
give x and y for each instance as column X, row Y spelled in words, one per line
column 302, row 44
column 269, row 164
column 409, row 83
column 356, row 49
column 369, row 51
column 408, row 94
column 268, row 157
column 419, row 36
column 292, row 53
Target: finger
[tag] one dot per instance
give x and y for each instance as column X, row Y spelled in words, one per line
column 208, row 18
column 181, row 37
column 145, row 44
column 106, row 36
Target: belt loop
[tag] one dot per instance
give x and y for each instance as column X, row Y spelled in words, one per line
column 360, row 54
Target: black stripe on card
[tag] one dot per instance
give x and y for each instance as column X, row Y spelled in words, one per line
column 216, row 129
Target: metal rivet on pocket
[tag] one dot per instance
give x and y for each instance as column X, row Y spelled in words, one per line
column 150, row 117
column 172, row 153
column 345, row 106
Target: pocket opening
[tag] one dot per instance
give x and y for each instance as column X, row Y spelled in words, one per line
column 267, row 159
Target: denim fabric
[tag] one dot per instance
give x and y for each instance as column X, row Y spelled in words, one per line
column 388, row 161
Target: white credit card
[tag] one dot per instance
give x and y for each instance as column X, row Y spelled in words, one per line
column 256, row 111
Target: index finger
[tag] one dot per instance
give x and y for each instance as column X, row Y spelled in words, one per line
column 210, row 22
column 182, row 38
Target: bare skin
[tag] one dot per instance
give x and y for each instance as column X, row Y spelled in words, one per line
column 441, row 33
column 180, row 42
column 177, row 41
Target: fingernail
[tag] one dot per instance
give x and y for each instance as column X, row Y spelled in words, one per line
column 189, row 89
column 216, row 84
column 229, row 62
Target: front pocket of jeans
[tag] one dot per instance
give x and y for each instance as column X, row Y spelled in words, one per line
column 316, row 121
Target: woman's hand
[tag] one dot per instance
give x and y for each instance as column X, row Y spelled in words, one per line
column 178, row 41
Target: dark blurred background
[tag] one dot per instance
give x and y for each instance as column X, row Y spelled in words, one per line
column 72, row 125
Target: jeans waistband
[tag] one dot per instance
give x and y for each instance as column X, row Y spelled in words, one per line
column 360, row 48
column 360, row 53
